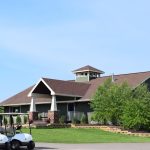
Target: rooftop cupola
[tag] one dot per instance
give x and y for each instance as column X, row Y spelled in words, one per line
column 87, row 73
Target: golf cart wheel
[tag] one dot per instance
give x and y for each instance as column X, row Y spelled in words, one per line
column 15, row 145
column 7, row 146
column 31, row 145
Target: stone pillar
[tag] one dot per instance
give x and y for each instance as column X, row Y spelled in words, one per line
column 33, row 114
column 53, row 115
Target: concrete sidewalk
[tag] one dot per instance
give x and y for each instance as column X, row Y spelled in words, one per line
column 112, row 146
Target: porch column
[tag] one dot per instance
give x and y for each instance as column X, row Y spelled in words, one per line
column 53, row 115
column 32, row 105
column 53, row 104
column 33, row 114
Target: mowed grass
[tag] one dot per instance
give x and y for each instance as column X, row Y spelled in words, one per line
column 71, row 135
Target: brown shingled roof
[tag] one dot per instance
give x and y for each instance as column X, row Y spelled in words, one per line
column 85, row 90
column 22, row 99
column 60, row 87
column 67, row 87
column 133, row 79
column 88, row 68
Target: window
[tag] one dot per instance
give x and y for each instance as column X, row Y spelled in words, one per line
column 71, row 107
column 16, row 109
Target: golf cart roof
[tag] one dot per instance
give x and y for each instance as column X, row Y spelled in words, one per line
column 11, row 114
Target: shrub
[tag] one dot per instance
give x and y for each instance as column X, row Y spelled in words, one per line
column 109, row 100
column 25, row 119
column 114, row 121
column 84, row 119
column 136, row 114
column 11, row 120
column 62, row 119
column 5, row 121
column 18, row 120
column 75, row 120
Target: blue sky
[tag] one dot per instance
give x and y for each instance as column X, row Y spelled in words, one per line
column 49, row 38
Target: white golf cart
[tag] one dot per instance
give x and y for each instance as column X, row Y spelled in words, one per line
column 4, row 142
column 14, row 134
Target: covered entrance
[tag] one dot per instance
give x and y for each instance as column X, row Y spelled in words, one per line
column 42, row 90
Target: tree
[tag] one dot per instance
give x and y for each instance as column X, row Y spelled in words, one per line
column 119, row 94
column 108, row 102
column 100, row 103
column 121, row 105
column 136, row 114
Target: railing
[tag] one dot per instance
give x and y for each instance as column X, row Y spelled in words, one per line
column 43, row 116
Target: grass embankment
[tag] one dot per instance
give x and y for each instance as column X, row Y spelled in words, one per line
column 70, row 135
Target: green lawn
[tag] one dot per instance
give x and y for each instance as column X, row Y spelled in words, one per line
column 71, row 135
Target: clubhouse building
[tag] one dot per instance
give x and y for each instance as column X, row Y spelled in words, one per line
column 53, row 98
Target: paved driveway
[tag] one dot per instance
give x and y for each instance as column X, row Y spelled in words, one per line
column 113, row 146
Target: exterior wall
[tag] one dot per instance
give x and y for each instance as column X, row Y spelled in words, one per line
column 43, row 108
column 22, row 108
column 64, row 98
column 82, row 79
column 83, row 107
column 25, row 108
column 148, row 83
column 39, row 107
column 79, row 107
column 6, row 109
column 62, row 109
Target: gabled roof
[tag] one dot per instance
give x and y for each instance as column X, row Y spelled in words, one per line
column 133, row 80
column 61, row 87
column 83, row 90
column 23, row 99
column 88, row 68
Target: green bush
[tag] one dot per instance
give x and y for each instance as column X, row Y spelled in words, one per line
column 84, row 119
column 11, row 120
column 136, row 114
column 98, row 120
column 5, row 121
column 25, row 119
column 62, row 119
column 18, row 120
column 75, row 120
column 109, row 100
